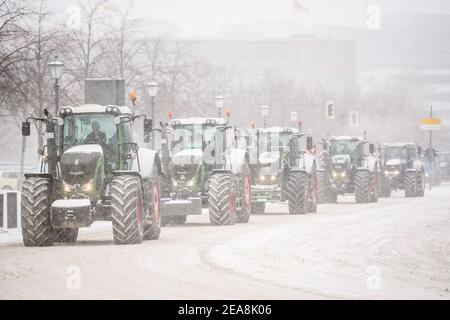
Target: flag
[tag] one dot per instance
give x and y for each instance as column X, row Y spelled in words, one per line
column 297, row 7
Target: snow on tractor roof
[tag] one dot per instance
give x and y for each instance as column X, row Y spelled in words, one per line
column 280, row 130
column 399, row 144
column 189, row 121
column 346, row 138
column 96, row 108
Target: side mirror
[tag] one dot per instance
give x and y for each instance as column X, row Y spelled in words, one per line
column 372, row 148
column 26, row 129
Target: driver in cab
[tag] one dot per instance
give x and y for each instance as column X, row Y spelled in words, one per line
column 96, row 136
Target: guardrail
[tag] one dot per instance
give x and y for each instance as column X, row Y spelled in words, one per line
column 9, row 209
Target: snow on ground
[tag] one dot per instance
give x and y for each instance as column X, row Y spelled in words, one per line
column 396, row 249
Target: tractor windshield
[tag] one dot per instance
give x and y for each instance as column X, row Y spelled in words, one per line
column 349, row 147
column 82, row 129
column 192, row 136
column 395, row 153
column 273, row 141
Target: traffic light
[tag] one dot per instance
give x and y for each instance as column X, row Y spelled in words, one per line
column 330, row 110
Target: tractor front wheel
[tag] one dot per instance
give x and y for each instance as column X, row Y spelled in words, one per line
column 362, row 187
column 297, row 192
column 222, row 200
column 37, row 230
column 127, row 210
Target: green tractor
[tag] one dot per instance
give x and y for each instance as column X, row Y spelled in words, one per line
column 284, row 170
column 91, row 170
column 207, row 169
column 349, row 166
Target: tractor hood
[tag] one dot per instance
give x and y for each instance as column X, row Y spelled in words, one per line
column 188, row 157
column 270, row 157
column 80, row 164
column 269, row 162
column 341, row 159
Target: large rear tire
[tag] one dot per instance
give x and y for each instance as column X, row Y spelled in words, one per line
column 385, row 190
column 421, row 184
column 297, row 192
column 312, row 193
column 322, row 187
column 245, row 186
column 152, row 229
column 67, row 235
column 362, row 186
column 37, row 230
column 410, row 184
column 374, row 181
column 222, row 200
column 127, row 210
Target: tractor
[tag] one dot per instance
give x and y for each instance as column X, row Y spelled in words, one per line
column 401, row 170
column 433, row 176
column 208, row 169
column 349, row 166
column 283, row 171
column 91, row 170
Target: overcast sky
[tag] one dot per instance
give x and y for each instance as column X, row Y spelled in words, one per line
column 209, row 18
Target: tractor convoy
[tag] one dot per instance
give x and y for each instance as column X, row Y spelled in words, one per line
column 93, row 168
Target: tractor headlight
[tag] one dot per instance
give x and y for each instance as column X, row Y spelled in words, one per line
column 88, row 187
column 191, row 183
column 68, row 188
column 175, row 183
column 262, row 178
column 273, row 178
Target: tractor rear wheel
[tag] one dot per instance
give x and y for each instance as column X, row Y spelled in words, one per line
column 362, row 186
column 374, row 181
column 410, row 184
column 37, row 230
column 222, row 200
column 297, row 192
column 385, row 190
column 67, row 235
column 127, row 210
column 322, row 187
column 152, row 230
column 312, row 193
column 420, row 184
column 245, row 187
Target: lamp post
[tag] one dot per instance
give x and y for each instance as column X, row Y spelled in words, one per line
column 152, row 88
column 294, row 118
column 265, row 113
column 56, row 68
column 220, row 100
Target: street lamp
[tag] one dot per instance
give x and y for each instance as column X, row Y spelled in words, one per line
column 220, row 100
column 294, row 117
column 265, row 113
column 56, row 68
column 152, row 88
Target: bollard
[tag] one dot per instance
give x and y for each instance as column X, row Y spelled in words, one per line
column 9, row 210
column 11, row 204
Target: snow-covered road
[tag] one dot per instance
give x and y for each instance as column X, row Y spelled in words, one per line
column 396, row 249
